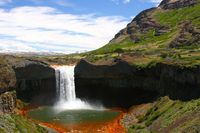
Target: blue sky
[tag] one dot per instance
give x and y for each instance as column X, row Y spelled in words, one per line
column 64, row 26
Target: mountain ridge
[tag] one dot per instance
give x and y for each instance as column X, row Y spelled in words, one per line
column 169, row 33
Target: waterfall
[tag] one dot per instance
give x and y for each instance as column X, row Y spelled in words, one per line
column 66, row 94
column 65, row 83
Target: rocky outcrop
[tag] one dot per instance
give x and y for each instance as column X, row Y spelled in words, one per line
column 188, row 36
column 29, row 80
column 7, row 102
column 175, row 4
column 7, row 78
column 125, row 85
column 36, row 82
column 140, row 25
column 11, row 79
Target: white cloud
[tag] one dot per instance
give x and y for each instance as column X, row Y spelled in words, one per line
column 126, row 1
column 3, row 2
column 47, row 29
column 157, row 2
column 65, row 3
column 123, row 1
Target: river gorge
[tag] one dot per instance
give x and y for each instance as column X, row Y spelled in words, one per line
column 86, row 97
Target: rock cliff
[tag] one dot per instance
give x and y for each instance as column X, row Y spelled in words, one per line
column 33, row 81
column 124, row 85
column 36, row 82
column 27, row 80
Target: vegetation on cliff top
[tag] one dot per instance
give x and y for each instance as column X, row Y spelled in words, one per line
column 165, row 115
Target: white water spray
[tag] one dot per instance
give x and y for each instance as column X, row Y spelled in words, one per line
column 66, row 91
column 65, row 83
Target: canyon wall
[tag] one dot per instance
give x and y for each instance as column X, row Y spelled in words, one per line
column 124, row 85
column 36, row 82
column 28, row 80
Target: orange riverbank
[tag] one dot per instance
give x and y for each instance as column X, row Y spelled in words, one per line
column 113, row 126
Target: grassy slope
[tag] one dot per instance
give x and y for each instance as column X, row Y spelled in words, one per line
column 18, row 124
column 166, row 115
column 153, row 48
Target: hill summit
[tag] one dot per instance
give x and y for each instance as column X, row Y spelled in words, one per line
column 168, row 33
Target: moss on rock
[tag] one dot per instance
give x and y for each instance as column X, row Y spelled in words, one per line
column 166, row 115
column 19, row 124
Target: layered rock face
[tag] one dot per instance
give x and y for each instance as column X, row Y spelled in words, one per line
column 124, row 85
column 36, row 82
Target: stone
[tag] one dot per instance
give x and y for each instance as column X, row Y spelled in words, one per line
column 7, row 102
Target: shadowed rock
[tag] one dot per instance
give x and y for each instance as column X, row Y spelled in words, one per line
column 36, row 82
column 124, row 85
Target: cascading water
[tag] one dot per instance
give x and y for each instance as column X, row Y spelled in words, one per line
column 65, row 83
column 66, row 91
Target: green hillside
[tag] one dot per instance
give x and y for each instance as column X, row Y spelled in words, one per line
column 164, row 116
column 157, row 35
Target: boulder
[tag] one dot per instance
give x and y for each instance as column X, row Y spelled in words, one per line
column 7, row 102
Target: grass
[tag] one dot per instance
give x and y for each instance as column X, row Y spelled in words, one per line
column 168, row 115
column 111, row 47
column 173, row 18
column 18, row 124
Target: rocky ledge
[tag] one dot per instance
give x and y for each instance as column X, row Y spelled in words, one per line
column 124, row 85
column 35, row 82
